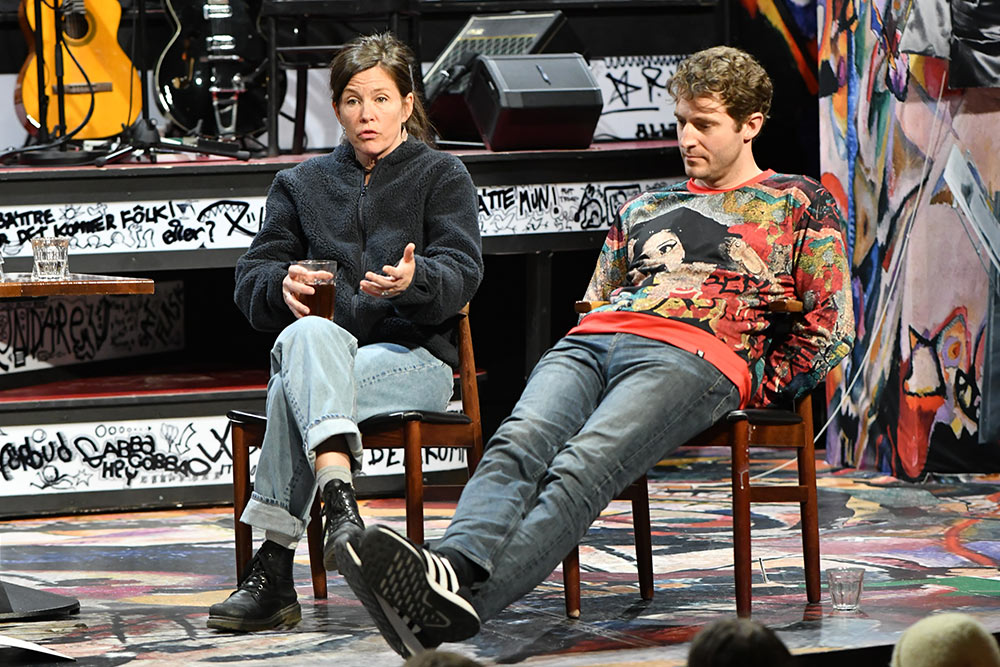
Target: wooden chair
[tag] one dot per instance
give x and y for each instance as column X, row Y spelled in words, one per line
column 739, row 430
column 411, row 431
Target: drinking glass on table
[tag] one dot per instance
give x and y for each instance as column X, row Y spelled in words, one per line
column 51, row 254
column 321, row 302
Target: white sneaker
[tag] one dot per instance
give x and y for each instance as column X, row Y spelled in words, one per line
column 418, row 586
column 396, row 633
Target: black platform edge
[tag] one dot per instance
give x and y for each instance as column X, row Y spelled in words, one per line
column 97, row 402
column 866, row 656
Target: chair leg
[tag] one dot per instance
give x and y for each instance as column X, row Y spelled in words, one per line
column 571, row 582
column 314, row 538
column 414, row 480
column 241, row 496
column 741, row 516
column 643, row 538
column 810, row 522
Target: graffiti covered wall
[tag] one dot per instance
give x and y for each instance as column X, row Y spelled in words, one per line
column 915, row 165
column 58, row 331
column 103, row 227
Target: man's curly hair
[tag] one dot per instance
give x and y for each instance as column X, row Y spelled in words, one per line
column 733, row 76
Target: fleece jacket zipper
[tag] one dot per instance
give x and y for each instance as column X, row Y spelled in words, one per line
column 361, row 233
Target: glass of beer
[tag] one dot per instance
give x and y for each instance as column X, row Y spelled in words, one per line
column 321, row 302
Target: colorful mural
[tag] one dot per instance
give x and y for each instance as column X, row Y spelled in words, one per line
column 915, row 167
column 781, row 34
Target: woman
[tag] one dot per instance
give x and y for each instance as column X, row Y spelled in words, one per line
column 400, row 219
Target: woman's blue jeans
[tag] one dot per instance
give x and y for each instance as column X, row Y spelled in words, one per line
column 598, row 412
column 322, row 384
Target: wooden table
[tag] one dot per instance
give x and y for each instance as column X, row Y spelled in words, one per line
column 14, row 285
column 20, row 602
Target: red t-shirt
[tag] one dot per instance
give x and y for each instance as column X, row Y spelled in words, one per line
column 675, row 333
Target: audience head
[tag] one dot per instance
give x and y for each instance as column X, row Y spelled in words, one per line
column 738, row 642
column 946, row 640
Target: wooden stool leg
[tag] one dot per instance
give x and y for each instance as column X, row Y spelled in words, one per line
column 314, row 538
column 241, row 496
column 571, row 582
column 810, row 522
column 741, row 516
column 414, row 480
column 810, row 508
column 643, row 538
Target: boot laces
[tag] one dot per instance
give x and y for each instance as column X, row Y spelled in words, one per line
column 256, row 578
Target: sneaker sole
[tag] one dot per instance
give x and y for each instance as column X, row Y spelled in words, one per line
column 330, row 558
column 394, row 631
column 288, row 616
column 330, row 547
column 396, row 572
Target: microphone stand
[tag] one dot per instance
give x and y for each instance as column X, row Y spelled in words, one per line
column 143, row 137
column 54, row 155
column 43, row 99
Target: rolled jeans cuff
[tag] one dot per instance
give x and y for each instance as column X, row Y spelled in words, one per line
column 333, row 426
column 261, row 511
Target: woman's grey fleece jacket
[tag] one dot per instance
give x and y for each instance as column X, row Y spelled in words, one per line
column 321, row 209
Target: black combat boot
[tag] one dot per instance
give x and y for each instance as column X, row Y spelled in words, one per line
column 265, row 597
column 343, row 520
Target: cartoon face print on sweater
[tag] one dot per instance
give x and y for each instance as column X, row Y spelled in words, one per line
column 677, row 260
column 681, row 248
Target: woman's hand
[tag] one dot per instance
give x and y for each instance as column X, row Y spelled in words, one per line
column 294, row 285
column 395, row 279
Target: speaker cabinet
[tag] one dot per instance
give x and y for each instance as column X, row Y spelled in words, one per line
column 534, row 101
column 511, row 34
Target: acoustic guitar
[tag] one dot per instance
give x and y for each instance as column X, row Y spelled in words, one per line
column 90, row 31
column 211, row 78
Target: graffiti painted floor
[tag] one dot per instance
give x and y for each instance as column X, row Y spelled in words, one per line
column 146, row 579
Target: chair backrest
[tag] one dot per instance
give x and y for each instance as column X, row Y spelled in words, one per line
column 467, row 368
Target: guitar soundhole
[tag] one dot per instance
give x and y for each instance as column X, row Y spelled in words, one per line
column 76, row 26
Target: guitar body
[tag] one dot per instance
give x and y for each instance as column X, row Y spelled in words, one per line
column 211, row 78
column 93, row 38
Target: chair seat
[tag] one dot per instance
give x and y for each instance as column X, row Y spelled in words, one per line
column 387, row 420
column 243, row 417
column 373, row 424
column 764, row 416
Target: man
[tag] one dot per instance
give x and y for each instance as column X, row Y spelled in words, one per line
column 688, row 273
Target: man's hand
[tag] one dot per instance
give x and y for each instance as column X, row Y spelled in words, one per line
column 395, row 279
